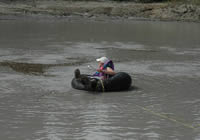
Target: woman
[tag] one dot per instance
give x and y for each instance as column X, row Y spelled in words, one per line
column 106, row 68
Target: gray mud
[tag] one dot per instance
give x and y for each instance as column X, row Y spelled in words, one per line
column 167, row 11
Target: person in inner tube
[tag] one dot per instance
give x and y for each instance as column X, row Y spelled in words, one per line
column 105, row 70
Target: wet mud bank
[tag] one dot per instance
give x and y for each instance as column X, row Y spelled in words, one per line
column 91, row 9
column 36, row 69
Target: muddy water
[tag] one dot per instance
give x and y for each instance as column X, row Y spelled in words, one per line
column 37, row 59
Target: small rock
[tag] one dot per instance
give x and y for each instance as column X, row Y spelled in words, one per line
column 131, row 18
column 181, row 9
column 85, row 14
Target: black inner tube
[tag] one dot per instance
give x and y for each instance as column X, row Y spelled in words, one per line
column 120, row 81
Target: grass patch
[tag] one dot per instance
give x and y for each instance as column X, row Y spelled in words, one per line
column 195, row 2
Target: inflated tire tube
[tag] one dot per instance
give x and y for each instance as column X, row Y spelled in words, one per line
column 119, row 82
column 81, row 83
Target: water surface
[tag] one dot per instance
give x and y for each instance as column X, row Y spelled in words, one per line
column 37, row 60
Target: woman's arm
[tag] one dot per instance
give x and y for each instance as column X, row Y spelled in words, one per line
column 109, row 71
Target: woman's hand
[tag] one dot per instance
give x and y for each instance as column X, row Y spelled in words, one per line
column 107, row 71
column 100, row 70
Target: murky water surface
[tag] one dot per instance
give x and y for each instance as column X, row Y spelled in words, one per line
column 37, row 60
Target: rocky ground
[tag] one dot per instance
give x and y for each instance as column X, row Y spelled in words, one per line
column 155, row 11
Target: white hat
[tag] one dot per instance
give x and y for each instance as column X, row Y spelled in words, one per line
column 102, row 59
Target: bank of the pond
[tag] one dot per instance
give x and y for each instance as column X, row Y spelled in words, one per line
column 155, row 11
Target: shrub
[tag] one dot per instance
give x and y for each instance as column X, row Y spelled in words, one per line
column 143, row 1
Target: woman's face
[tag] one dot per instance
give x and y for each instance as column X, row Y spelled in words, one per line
column 100, row 64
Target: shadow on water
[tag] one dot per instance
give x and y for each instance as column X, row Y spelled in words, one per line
column 37, row 69
column 132, row 88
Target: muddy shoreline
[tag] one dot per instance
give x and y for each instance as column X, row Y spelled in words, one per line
column 128, row 10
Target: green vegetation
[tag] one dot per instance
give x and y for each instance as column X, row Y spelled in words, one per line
column 152, row 1
column 142, row 1
column 186, row 1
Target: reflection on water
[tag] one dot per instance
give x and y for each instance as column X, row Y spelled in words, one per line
column 37, row 60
